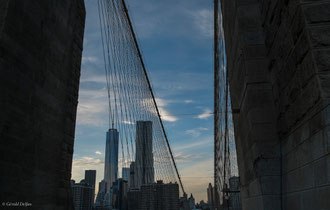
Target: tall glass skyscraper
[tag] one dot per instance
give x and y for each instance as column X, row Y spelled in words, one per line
column 111, row 158
column 125, row 174
column 144, row 161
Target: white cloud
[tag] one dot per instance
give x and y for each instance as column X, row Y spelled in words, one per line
column 188, row 101
column 161, row 102
column 165, row 115
column 98, row 153
column 196, row 132
column 206, row 114
column 128, row 122
column 203, row 20
column 89, row 59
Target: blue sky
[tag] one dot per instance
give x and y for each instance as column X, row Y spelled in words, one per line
column 177, row 44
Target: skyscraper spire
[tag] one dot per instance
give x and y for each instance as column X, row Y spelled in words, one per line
column 111, row 157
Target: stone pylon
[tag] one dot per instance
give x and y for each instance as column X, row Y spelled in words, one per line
column 278, row 59
column 41, row 45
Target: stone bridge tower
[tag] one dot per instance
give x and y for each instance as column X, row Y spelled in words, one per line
column 278, row 57
column 40, row 55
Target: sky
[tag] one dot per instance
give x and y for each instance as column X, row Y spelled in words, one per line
column 176, row 39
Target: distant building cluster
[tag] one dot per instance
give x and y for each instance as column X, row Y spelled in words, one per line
column 230, row 200
column 83, row 193
column 136, row 189
column 154, row 196
column 187, row 203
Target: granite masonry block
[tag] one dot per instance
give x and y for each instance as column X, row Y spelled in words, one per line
column 293, row 43
column 317, row 13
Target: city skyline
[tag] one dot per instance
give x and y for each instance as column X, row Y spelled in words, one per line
column 167, row 105
column 185, row 101
column 137, row 180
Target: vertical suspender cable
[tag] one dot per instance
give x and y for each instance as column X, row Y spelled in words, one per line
column 216, row 96
column 152, row 94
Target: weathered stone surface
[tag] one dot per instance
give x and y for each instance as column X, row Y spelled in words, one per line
column 279, row 64
column 40, row 56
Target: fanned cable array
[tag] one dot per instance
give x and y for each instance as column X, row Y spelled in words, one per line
column 225, row 159
column 130, row 95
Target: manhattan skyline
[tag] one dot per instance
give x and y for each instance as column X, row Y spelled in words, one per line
column 185, row 100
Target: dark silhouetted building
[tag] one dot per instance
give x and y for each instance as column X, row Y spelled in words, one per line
column 133, row 199
column 158, row 196
column 144, row 163
column 90, row 176
column 82, row 194
column 119, row 194
column 132, row 176
column 99, row 203
column 211, row 196
column 184, row 202
column 125, row 174
column 191, row 202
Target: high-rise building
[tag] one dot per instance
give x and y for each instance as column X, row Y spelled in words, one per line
column 119, row 194
column 82, row 194
column 111, row 158
column 144, row 163
column 125, row 174
column 131, row 175
column 90, row 176
column 100, row 195
column 210, row 195
column 104, row 196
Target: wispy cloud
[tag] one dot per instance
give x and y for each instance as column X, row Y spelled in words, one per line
column 188, row 101
column 98, row 153
column 206, row 114
column 87, row 161
column 179, row 157
column 196, row 132
column 94, row 78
